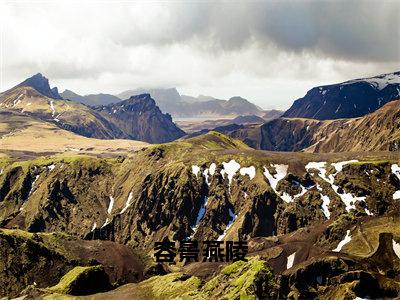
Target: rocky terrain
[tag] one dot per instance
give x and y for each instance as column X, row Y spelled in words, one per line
column 377, row 131
column 317, row 224
column 34, row 98
column 350, row 99
column 139, row 118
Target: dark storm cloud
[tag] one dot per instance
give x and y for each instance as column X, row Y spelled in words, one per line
column 349, row 30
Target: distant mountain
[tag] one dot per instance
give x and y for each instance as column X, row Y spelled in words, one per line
column 139, row 118
column 192, row 126
column 41, row 84
column 349, row 99
column 170, row 101
column 200, row 98
column 91, row 99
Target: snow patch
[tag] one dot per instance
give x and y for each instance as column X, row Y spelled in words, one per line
column 17, row 101
column 396, row 248
column 105, row 223
column 339, row 165
column 347, row 198
column 233, row 218
column 251, row 171
column 396, row 171
column 325, row 203
column 378, row 82
column 212, row 169
column 33, row 185
column 128, row 203
column 230, row 169
column 290, row 260
column 110, row 206
column 396, row 195
column 195, row 170
column 51, row 167
column 200, row 215
column 205, row 173
column 281, row 171
column 346, row 240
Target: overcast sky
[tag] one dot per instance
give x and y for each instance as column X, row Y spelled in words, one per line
column 270, row 52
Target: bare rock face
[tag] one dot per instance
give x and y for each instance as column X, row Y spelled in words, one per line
column 41, row 84
column 139, row 118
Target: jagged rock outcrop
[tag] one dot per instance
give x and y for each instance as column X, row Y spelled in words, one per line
column 41, row 84
column 139, row 118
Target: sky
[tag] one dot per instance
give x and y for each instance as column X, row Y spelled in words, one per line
column 269, row 52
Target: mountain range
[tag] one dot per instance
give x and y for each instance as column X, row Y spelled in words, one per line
column 316, row 200
column 178, row 106
column 141, row 113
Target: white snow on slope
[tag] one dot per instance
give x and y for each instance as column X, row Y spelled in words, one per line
column 396, row 248
column 288, row 198
column 200, row 215
column 53, row 110
column 339, row 165
column 205, row 174
column 51, row 167
column 233, row 218
column 378, row 82
column 195, row 170
column 281, row 171
column 230, row 168
column 396, row 195
column 290, row 260
column 128, row 203
column 212, row 169
column 251, row 171
column 17, row 101
column 320, row 166
column 346, row 240
column 33, row 185
column 105, row 223
column 325, row 203
column 110, row 206
column 347, row 198
column 396, row 171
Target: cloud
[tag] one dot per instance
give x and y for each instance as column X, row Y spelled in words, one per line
column 220, row 47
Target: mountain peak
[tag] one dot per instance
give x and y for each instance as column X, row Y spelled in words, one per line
column 41, row 84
